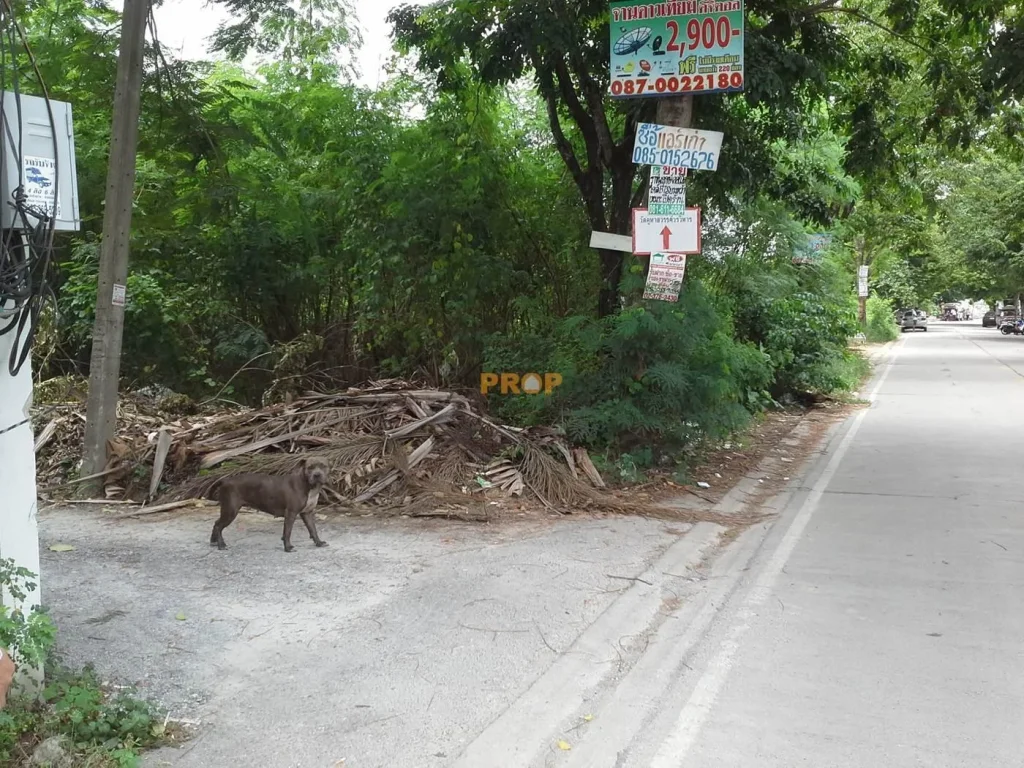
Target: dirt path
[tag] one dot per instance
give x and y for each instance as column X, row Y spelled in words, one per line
column 386, row 648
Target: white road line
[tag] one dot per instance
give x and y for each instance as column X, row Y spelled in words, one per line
column 695, row 712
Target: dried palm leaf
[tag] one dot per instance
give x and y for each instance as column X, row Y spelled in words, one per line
column 552, row 481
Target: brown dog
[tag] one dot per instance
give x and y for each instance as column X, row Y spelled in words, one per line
column 288, row 496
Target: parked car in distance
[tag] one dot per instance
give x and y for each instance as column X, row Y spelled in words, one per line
column 913, row 320
column 988, row 320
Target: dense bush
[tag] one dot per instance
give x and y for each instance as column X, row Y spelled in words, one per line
column 27, row 635
column 661, row 374
column 802, row 319
column 881, row 324
column 806, row 342
column 176, row 333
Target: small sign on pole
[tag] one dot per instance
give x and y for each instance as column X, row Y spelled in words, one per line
column 665, row 276
column 672, row 234
column 681, row 147
column 610, row 242
column 671, row 260
column 39, row 185
column 812, row 251
column 666, row 191
column 862, row 287
column 862, row 271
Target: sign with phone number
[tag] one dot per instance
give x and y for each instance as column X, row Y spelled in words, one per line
column 676, row 46
column 680, row 158
column 665, row 86
column 679, row 147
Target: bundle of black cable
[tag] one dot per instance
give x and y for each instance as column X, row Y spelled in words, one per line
column 26, row 247
column 25, row 262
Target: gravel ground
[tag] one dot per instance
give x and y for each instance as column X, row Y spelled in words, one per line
column 392, row 647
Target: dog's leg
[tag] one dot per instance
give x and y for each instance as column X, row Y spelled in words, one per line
column 307, row 516
column 228, row 511
column 289, row 521
column 310, row 521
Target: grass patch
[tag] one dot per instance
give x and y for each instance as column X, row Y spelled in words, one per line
column 84, row 723
column 76, row 722
column 853, row 370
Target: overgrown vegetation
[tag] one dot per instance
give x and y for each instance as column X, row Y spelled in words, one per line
column 881, row 322
column 82, row 723
column 294, row 229
column 29, row 633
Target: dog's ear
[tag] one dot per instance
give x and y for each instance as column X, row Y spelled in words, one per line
column 302, row 464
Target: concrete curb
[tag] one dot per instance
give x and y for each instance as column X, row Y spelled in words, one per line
column 635, row 708
column 599, row 667
column 750, row 566
column 523, row 733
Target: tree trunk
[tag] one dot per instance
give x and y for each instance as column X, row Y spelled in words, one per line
column 620, row 223
column 676, row 111
column 611, row 274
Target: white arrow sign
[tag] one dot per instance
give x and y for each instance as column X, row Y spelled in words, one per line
column 655, row 234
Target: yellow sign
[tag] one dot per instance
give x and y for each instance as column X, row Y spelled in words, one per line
column 515, row 384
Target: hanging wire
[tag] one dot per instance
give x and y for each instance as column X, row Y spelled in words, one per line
column 26, row 245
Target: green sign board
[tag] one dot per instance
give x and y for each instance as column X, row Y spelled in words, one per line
column 812, row 250
column 671, row 48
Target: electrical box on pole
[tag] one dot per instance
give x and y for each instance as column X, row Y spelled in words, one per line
column 39, row 157
column 38, row 196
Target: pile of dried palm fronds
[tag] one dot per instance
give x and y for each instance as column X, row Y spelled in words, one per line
column 387, row 445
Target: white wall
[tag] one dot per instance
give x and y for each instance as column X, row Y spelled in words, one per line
column 19, row 534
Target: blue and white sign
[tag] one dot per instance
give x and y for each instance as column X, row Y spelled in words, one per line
column 680, row 147
column 812, row 250
column 39, row 174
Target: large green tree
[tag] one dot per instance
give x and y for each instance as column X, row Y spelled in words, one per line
column 855, row 56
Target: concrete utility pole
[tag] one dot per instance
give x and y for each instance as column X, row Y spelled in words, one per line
column 105, row 363
column 862, row 301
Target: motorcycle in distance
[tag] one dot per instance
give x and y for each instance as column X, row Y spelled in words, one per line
column 1012, row 325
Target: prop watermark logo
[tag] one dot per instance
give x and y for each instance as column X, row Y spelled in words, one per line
column 514, row 384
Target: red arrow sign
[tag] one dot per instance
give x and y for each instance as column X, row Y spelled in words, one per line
column 665, row 234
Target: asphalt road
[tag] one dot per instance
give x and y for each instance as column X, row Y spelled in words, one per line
column 876, row 621
column 881, row 621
